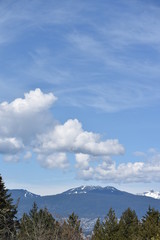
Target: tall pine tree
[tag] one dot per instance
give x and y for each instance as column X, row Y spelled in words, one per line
column 150, row 225
column 110, row 226
column 71, row 229
column 38, row 225
column 8, row 212
column 128, row 225
column 98, row 233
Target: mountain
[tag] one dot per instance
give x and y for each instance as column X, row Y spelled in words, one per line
column 88, row 202
column 90, row 189
column 151, row 193
column 22, row 194
column 25, row 200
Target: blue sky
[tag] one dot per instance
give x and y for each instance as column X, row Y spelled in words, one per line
column 80, row 94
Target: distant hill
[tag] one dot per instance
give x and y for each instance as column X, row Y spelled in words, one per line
column 88, row 202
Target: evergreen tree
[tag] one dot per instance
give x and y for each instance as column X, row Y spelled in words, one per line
column 98, row 233
column 8, row 210
column 110, row 226
column 74, row 222
column 71, row 229
column 150, row 225
column 38, row 225
column 128, row 225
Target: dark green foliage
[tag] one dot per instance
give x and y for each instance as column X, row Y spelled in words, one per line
column 110, row 226
column 108, row 229
column 38, row 225
column 128, row 225
column 8, row 223
column 98, row 231
column 71, row 230
column 150, row 225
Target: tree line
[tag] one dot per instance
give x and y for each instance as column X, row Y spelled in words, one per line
column 128, row 227
column 39, row 224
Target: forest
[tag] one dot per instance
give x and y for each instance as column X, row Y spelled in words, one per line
column 39, row 224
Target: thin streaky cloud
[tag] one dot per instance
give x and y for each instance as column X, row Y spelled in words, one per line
column 100, row 51
column 19, row 16
column 113, row 97
column 104, row 45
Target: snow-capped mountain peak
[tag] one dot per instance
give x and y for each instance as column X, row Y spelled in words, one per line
column 152, row 194
column 28, row 194
column 22, row 193
column 89, row 189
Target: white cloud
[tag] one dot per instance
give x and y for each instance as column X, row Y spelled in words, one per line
column 26, row 125
column 55, row 160
column 12, row 158
column 33, row 102
column 82, row 161
column 86, row 174
column 105, row 44
column 10, row 145
column 70, row 137
column 141, row 171
column 27, row 155
column 22, row 119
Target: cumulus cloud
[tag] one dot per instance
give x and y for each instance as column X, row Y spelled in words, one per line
column 139, row 171
column 27, row 125
column 10, row 145
column 55, row 160
column 82, row 161
column 27, row 155
column 87, row 174
column 70, row 137
column 34, row 101
column 22, row 119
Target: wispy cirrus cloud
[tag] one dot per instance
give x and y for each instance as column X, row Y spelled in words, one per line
column 19, row 17
column 114, row 96
column 104, row 60
column 119, row 57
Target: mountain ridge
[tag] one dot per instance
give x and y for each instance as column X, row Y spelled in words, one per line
column 83, row 189
column 88, row 202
